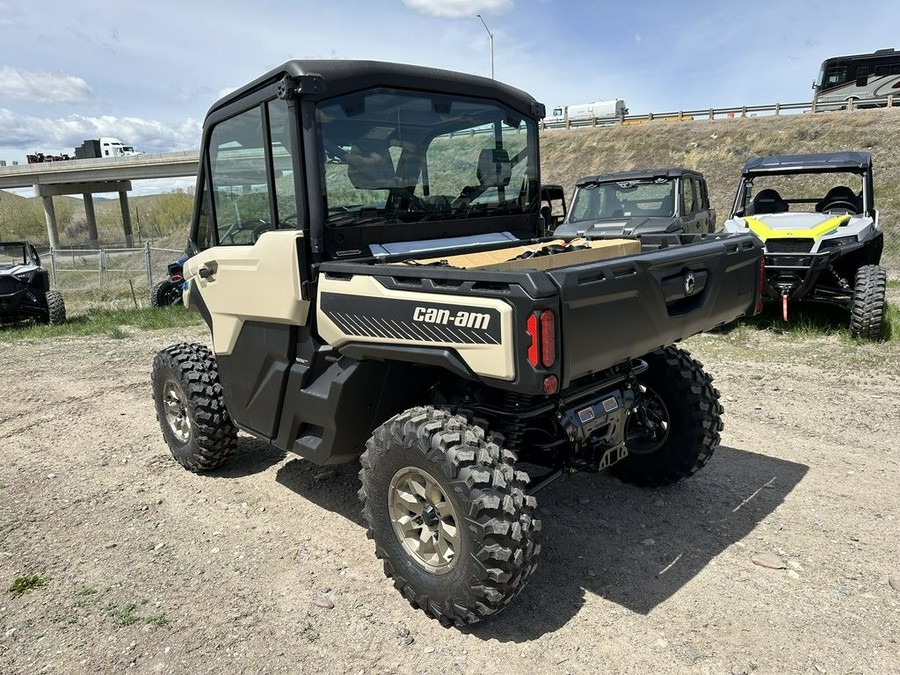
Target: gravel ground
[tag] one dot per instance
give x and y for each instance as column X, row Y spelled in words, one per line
column 781, row 556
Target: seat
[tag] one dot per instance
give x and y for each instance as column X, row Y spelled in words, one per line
column 370, row 166
column 494, row 169
column 767, row 201
column 667, row 207
column 840, row 196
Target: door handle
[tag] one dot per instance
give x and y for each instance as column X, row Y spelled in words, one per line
column 206, row 273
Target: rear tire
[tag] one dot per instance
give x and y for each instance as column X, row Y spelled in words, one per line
column 165, row 293
column 190, row 407
column 448, row 514
column 867, row 309
column 56, row 308
column 674, row 427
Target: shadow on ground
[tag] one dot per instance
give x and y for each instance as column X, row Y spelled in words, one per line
column 251, row 457
column 333, row 488
column 637, row 547
column 631, row 546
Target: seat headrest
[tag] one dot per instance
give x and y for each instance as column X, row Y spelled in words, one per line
column 370, row 166
column 768, row 201
column 494, row 169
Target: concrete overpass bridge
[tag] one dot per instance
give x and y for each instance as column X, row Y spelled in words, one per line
column 91, row 176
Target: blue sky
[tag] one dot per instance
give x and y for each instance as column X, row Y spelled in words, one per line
column 147, row 72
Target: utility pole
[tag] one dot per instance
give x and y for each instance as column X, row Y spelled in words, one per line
column 491, row 38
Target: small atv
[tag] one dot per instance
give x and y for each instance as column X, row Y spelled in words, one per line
column 821, row 236
column 168, row 291
column 25, row 292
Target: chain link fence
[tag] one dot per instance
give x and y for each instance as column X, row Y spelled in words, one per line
column 107, row 277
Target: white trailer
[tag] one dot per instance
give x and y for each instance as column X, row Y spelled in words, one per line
column 598, row 110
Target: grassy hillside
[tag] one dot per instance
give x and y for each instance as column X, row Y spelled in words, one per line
column 719, row 149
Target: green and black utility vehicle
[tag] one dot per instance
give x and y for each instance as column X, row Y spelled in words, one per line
column 366, row 249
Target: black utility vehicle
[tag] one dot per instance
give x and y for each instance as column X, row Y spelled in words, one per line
column 25, row 292
column 633, row 203
column 381, row 292
column 815, row 214
column 168, row 291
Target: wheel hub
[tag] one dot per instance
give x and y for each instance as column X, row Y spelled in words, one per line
column 424, row 520
column 176, row 406
column 648, row 424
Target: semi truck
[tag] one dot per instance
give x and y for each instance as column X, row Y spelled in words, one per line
column 103, row 147
column 611, row 111
column 91, row 148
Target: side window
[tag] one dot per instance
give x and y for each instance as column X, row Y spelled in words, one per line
column 687, row 195
column 204, row 239
column 280, row 135
column 239, row 182
column 704, row 195
column 836, row 75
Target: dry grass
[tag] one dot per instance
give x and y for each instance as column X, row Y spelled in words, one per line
column 719, row 149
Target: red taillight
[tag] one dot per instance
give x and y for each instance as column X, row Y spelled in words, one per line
column 531, row 327
column 762, row 285
column 548, row 338
column 551, row 385
column 541, row 329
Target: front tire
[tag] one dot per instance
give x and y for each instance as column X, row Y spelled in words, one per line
column 867, row 308
column 674, row 427
column 56, row 308
column 190, row 407
column 165, row 293
column 448, row 514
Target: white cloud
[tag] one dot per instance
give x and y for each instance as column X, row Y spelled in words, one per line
column 64, row 134
column 41, row 87
column 459, row 9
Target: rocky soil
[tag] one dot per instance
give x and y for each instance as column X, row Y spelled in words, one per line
column 781, row 556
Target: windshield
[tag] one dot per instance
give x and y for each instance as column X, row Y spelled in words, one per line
column 398, row 156
column 831, row 192
column 12, row 254
column 626, row 199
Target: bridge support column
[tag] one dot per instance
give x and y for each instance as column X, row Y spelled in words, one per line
column 126, row 218
column 48, row 190
column 50, row 217
column 93, row 238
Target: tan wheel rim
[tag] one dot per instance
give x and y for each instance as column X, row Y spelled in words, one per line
column 424, row 520
column 176, row 406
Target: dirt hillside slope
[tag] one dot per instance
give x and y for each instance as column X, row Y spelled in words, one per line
column 719, row 149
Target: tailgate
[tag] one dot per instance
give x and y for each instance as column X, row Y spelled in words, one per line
column 624, row 308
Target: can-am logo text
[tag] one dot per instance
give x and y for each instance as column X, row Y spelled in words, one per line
column 445, row 317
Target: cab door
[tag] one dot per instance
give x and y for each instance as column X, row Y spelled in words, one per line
column 247, row 280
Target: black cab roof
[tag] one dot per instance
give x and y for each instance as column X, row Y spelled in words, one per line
column 640, row 174
column 821, row 162
column 323, row 79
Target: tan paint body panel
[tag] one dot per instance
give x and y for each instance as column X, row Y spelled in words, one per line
column 489, row 360
column 250, row 283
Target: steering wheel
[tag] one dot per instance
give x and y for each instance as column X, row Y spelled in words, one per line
column 256, row 227
column 839, row 204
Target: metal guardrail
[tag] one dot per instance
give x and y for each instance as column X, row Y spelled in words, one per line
column 718, row 113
